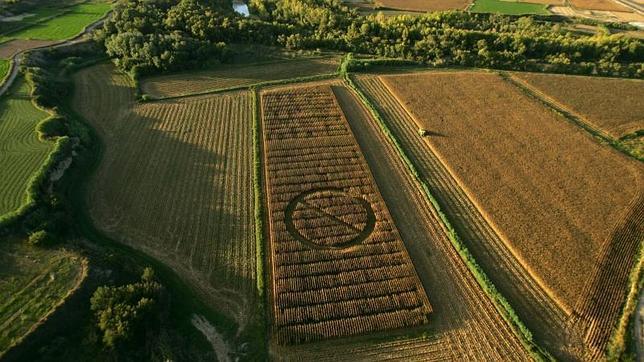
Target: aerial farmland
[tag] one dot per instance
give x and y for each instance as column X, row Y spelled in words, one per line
column 321, row 180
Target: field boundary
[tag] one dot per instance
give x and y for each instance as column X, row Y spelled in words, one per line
column 619, row 338
column 570, row 116
column 311, row 78
column 508, row 313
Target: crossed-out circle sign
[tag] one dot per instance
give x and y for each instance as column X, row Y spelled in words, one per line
column 329, row 218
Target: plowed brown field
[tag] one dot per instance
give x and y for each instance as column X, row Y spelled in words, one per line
column 613, row 106
column 531, row 183
column 175, row 181
column 339, row 266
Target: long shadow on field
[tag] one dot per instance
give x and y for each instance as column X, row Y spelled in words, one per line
column 175, row 182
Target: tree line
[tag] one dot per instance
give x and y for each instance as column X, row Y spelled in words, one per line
column 146, row 36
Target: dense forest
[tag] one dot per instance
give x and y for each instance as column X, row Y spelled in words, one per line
column 162, row 35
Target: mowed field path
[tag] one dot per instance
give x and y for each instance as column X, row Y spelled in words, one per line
column 464, row 324
column 175, row 181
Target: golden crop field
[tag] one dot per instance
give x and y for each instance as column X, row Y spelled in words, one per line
column 175, row 181
column 611, row 105
column 530, row 174
column 424, row 5
column 339, row 266
column 227, row 76
column 605, row 5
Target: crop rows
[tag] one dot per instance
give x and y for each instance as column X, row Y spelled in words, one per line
column 176, row 182
column 235, row 76
column 319, row 183
column 545, row 319
column 21, row 152
column 610, row 106
column 470, row 329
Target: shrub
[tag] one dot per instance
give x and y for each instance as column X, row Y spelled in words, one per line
column 122, row 311
column 41, row 238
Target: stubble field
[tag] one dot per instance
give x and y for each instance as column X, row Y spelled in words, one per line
column 613, row 106
column 564, row 213
column 464, row 324
column 176, row 182
column 227, row 76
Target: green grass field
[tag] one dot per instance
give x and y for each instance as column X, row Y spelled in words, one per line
column 65, row 26
column 508, row 7
column 32, row 282
column 21, row 152
column 4, row 68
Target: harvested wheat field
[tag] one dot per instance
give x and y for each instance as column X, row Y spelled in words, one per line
column 424, row 5
column 339, row 266
column 603, row 5
column 200, row 224
column 530, row 174
column 613, row 106
column 226, row 76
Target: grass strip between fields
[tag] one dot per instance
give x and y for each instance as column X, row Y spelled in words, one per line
column 617, row 344
column 502, row 304
column 598, row 134
column 260, row 252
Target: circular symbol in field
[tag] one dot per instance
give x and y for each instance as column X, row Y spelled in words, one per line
column 329, row 218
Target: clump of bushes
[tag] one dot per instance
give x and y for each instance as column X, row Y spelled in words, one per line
column 122, row 312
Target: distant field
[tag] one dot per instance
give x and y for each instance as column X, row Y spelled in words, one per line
column 535, row 176
column 32, row 282
column 605, row 5
column 508, row 7
column 424, row 5
column 176, row 182
column 226, row 76
column 65, row 26
column 21, row 152
column 339, row 266
column 613, row 106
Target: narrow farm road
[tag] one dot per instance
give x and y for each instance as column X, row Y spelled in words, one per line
column 16, row 60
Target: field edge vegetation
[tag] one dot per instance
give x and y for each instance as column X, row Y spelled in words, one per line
column 617, row 347
column 504, row 307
